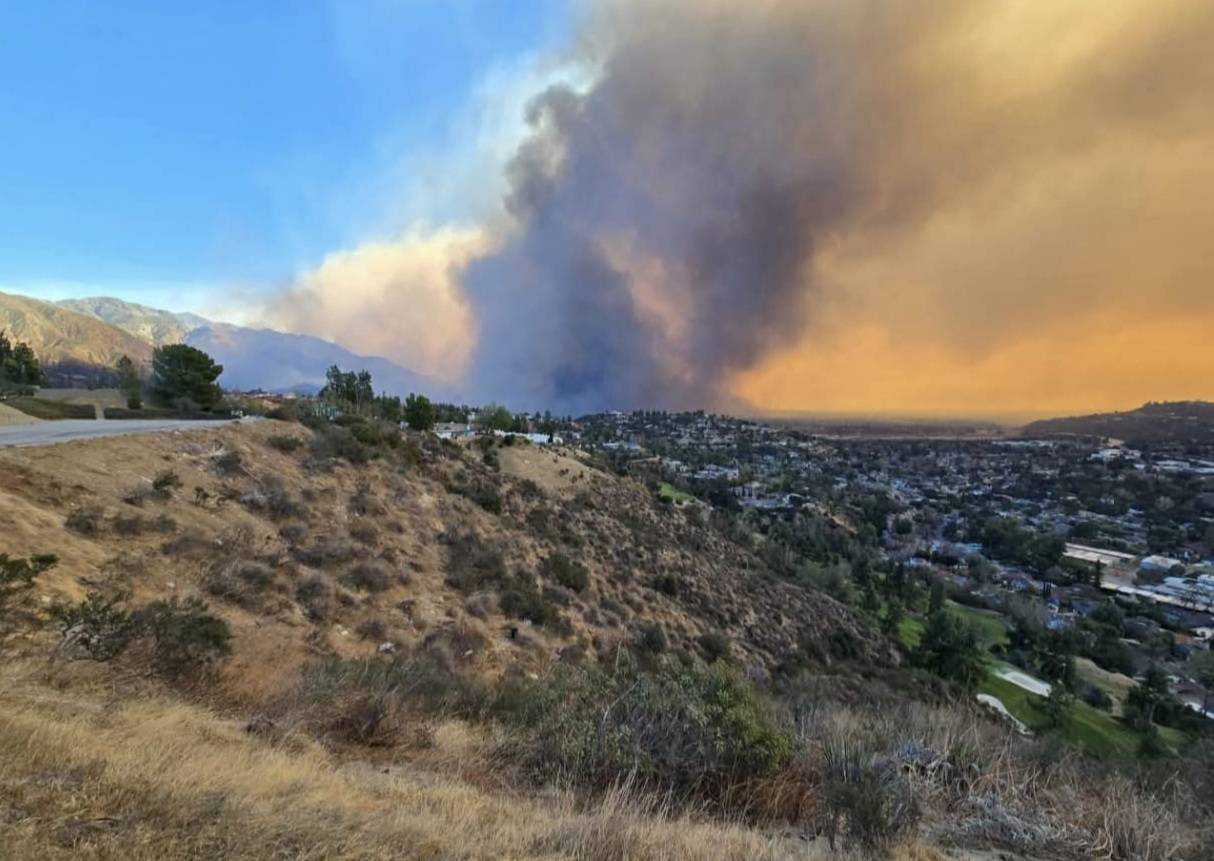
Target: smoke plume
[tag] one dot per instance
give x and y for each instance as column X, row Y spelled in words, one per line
column 745, row 192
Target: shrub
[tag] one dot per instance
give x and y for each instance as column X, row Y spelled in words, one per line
column 690, row 729
column 17, row 578
column 186, row 639
column 472, row 563
column 369, row 576
column 229, row 462
column 566, row 572
column 165, row 482
column 364, row 700
column 872, row 805
column 668, row 584
column 522, row 600
column 649, row 638
column 99, row 627
column 286, row 443
column 315, row 595
column 714, row 646
column 85, row 521
column 330, row 442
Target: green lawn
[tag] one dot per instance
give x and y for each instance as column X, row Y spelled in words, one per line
column 669, row 491
column 991, row 627
column 43, row 409
column 1089, row 729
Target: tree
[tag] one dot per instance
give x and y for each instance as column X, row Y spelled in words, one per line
column 1147, row 699
column 935, row 602
column 419, row 412
column 181, row 372
column 949, row 648
column 18, row 364
column 129, row 382
column 495, row 417
column 891, row 622
column 1057, row 704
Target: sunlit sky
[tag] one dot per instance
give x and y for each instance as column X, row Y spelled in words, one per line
column 1006, row 208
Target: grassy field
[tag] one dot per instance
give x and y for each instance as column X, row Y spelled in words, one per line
column 669, row 491
column 50, row 410
column 1091, row 730
column 991, row 627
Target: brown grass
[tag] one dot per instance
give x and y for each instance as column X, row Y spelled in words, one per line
column 157, row 778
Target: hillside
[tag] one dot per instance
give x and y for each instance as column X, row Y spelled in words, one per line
column 252, row 358
column 475, row 651
column 148, row 324
column 1182, row 422
column 68, row 343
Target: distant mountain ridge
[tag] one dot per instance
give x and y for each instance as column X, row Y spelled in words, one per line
column 74, row 348
column 1169, row 421
column 149, row 324
column 81, row 340
column 280, row 362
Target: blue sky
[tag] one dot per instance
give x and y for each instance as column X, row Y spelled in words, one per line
column 160, row 150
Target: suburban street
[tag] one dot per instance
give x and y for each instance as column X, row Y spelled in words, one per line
column 68, row 430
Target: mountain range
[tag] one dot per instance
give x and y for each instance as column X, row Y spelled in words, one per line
column 80, row 340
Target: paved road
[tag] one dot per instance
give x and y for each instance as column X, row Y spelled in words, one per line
column 67, row 430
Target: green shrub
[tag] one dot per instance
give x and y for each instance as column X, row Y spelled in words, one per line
column 869, row 804
column 166, row 481
column 17, row 578
column 285, row 443
column 186, row 639
column 99, row 627
column 690, row 729
column 566, row 572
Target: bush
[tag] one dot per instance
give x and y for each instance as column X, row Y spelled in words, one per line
column 85, row 521
column 689, row 729
column 369, row 576
column 315, row 595
column 522, row 600
column 99, row 627
column 714, row 645
column 166, row 482
column 566, row 572
column 649, row 638
column 472, row 563
column 186, row 639
column 229, row 462
column 668, row 584
column 285, row 443
column 331, row 442
column 365, row 700
column 17, row 578
column 871, row 804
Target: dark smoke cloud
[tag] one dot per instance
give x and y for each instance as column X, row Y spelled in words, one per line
column 704, row 153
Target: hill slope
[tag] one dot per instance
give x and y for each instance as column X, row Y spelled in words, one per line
column 148, row 324
column 1168, row 422
column 66, row 341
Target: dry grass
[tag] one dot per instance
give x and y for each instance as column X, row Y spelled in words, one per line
column 156, row 778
